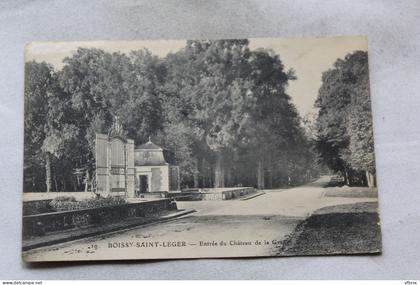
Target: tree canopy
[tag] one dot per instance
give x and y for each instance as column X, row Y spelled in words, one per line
column 219, row 106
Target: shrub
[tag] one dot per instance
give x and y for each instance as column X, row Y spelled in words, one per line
column 57, row 202
column 36, row 207
column 72, row 204
column 65, row 198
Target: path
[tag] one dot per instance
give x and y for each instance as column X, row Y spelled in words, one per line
column 270, row 217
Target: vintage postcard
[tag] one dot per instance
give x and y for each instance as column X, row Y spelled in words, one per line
column 198, row 149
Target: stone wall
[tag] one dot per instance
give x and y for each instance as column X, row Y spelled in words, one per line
column 40, row 224
column 226, row 193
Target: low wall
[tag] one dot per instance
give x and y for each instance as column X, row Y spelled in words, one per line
column 226, row 193
column 176, row 195
column 35, row 196
column 158, row 194
column 38, row 225
column 191, row 195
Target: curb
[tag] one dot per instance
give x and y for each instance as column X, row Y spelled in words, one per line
column 253, row 196
column 101, row 232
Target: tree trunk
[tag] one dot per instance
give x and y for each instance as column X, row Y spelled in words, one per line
column 260, row 174
column 219, row 172
column 74, row 184
column 203, row 173
column 210, row 177
column 229, row 177
column 55, row 183
column 270, row 173
column 346, row 177
column 48, row 179
column 64, row 184
column 270, row 179
column 196, row 182
column 370, row 179
column 373, row 180
column 87, row 180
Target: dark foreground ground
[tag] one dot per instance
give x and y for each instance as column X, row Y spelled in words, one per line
column 341, row 229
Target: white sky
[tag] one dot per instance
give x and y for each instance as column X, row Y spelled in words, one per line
column 309, row 57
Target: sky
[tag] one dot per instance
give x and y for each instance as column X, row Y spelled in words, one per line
column 309, row 57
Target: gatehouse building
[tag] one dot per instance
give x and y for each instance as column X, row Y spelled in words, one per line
column 125, row 170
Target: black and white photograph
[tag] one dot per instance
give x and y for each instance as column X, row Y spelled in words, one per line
column 172, row 149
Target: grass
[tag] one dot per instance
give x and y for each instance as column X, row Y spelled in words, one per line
column 344, row 229
column 351, row 192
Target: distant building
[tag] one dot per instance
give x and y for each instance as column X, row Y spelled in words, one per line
column 122, row 170
column 153, row 171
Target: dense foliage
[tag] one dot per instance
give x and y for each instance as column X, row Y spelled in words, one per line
column 344, row 123
column 221, row 108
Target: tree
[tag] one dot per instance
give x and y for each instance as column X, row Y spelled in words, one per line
column 360, row 124
column 229, row 108
column 273, row 120
column 47, row 132
column 38, row 77
column 344, row 126
column 99, row 86
column 209, row 93
column 92, row 79
column 142, row 111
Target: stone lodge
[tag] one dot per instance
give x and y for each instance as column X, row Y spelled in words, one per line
column 123, row 170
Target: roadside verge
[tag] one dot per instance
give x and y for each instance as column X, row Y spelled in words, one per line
column 341, row 229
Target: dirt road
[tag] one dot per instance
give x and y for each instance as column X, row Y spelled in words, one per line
column 218, row 229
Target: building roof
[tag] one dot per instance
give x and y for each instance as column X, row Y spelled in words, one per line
column 149, row 146
column 149, row 154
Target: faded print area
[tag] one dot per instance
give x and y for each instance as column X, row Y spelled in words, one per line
column 204, row 148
